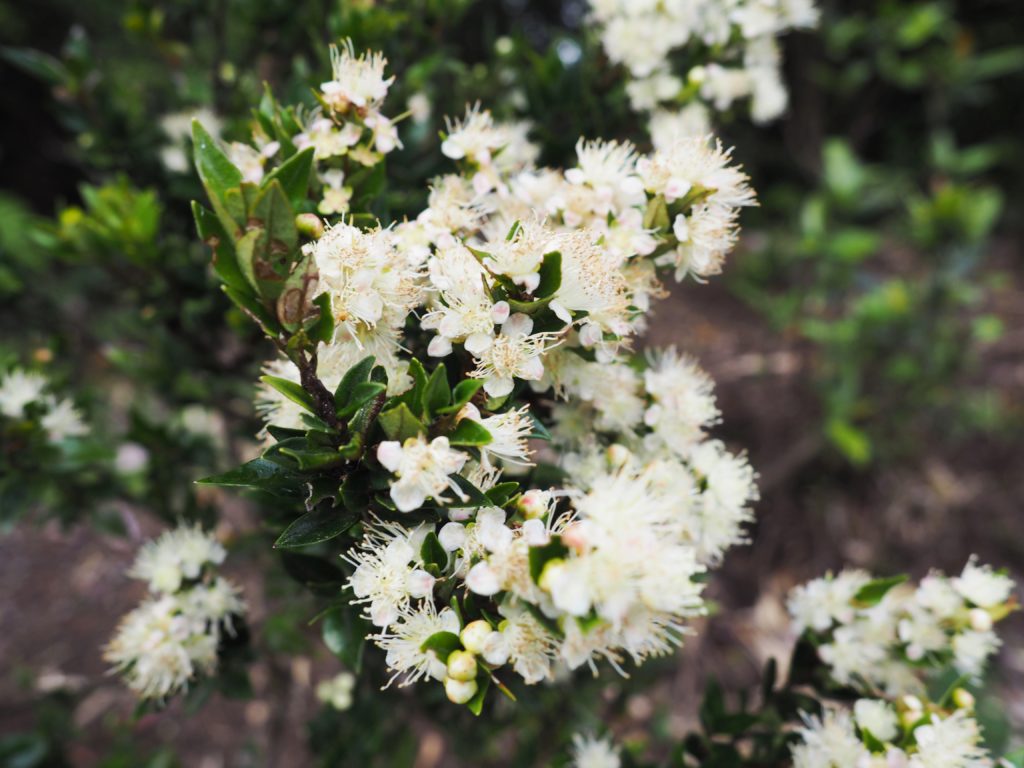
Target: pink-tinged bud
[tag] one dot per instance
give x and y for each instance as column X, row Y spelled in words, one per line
column 309, row 225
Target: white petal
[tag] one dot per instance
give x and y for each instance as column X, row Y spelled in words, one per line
column 498, row 387
column 439, row 347
column 407, row 496
column 420, row 583
column 500, row 312
column 452, row 536
column 389, row 454
column 478, row 343
column 518, row 325
column 482, row 580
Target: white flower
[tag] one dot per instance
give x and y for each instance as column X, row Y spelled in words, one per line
column 177, row 556
column 949, row 743
column 337, row 691
column 510, row 432
column 515, row 353
column 62, row 420
column 821, row 602
column 590, row 752
column 877, row 717
column 829, row 742
column 18, row 389
column 404, row 639
column 684, row 400
column 666, row 126
column 523, row 641
column 423, row 469
column 971, row 649
column 370, row 284
column 356, row 80
column 249, row 160
column 336, row 194
column 982, row 586
column 386, row 576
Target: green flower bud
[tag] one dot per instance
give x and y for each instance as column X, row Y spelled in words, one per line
column 462, row 666
column 309, row 225
column 474, row 635
column 459, row 691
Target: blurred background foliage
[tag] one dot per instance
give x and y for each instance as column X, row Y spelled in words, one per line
column 885, row 252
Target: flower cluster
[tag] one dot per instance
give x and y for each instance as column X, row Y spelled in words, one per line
column 908, row 733
column 503, row 313
column 647, row 37
column 888, row 643
column 24, row 395
column 174, row 635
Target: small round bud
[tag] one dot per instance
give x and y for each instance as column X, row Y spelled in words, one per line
column 534, row 504
column 551, row 570
column 309, row 225
column 459, row 691
column 474, row 635
column 963, row 698
column 697, row 75
column 462, row 666
column 981, row 620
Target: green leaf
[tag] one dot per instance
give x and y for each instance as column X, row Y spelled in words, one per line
column 476, row 704
column 474, row 496
column 275, row 249
column 550, row 275
column 656, row 214
column 399, row 423
column 291, row 390
column 413, row 398
column 442, row 644
column 469, row 433
column 249, row 304
column 358, row 373
column 432, row 553
column 314, row 573
column 871, row 594
column 225, row 264
column 322, row 524
column 500, row 494
column 293, row 176
column 355, row 492
column 293, row 304
column 436, row 394
column 360, row 395
column 258, row 473
column 344, row 635
column 323, row 328
column 541, row 556
column 309, row 461
column 218, row 175
column 462, row 394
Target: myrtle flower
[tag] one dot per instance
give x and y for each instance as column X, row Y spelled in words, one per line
column 18, row 389
column 337, row 691
column 336, row 195
column 356, row 80
column 386, row 577
column 515, row 353
column 62, row 420
column 683, row 400
column 877, row 717
column 510, row 432
column 171, row 638
column 403, row 643
column 590, row 752
column 176, row 557
column 982, row 586
column 369, row 284
column 423, row 469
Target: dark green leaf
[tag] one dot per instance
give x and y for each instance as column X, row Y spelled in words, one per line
column 462, row 394
column 442, row 644
column 291, row 390
column 470, row 433
column 399, row 423
column 313, row 572
column 360, row 395
column 436, row 394
column 476, row 704
column 872, row 593
column 322, row 524
column 550, row 275
column 432, row 553
column 293, row 175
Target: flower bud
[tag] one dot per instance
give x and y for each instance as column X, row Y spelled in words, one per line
column 981, row 620
column 534, row 504
column 309, row 225
column 474, row 635
column 462, row 666
column 459, row 691
column 963, row 699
